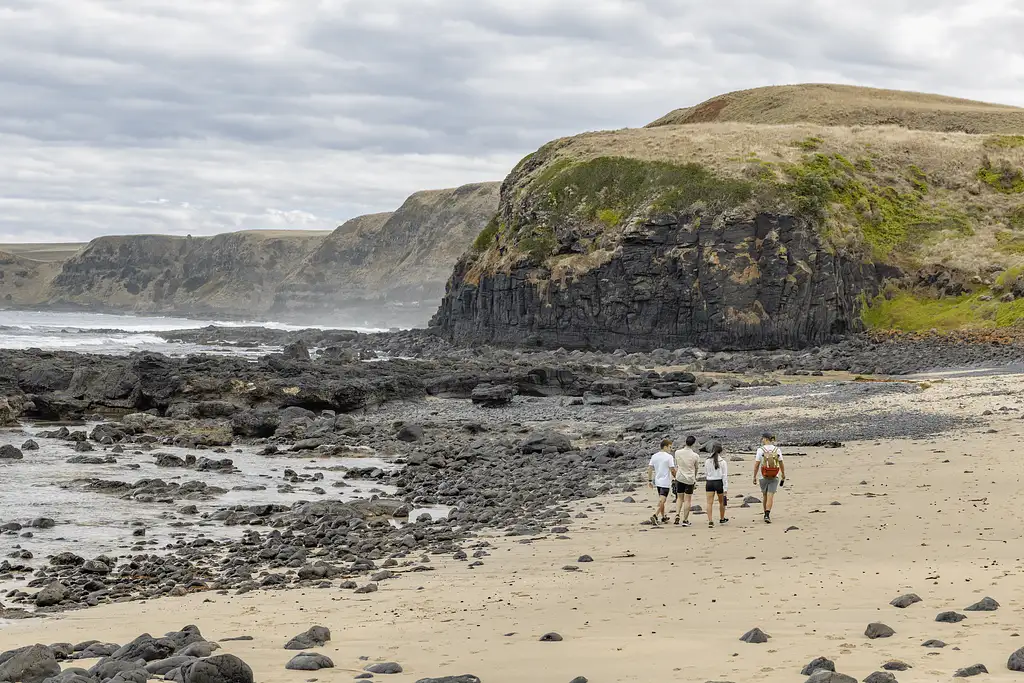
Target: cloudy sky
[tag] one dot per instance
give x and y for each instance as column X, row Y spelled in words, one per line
column 171, row 116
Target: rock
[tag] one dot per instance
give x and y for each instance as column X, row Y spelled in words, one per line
column 8, row 452
column 368, row 588
column 161, row 666
column 877, row 630
column 580, row 679
column 42, row 523
column 107, row 668
column 950, row 617
column 317, row 636
column 983, row 605
column 8, row 416
column 297, row 351
column 823, row 676
column 1016, row 661
column 95, row 567
column 880, row 677
column 309, row 661
column 968, row 671
column 818, row 664
column 410, row 433
column 464, row 678
column 30, row 445
column 585, row 558
column 255, row 423
column 198, row 650
column 487, row 396
column 384, row 668
column 934, row 644
column 755, row 636
column 51, row 595
column 217, row 669
column 905, row 601
column 146, row 648
column 539, row 443
column 551, row 638
column 32, row 664
column 895, row 665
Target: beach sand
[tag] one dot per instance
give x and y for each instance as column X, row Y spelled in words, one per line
column 938, row 517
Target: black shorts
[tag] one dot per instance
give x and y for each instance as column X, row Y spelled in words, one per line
column 663, row 491
column 679, row 487
column 715, row 486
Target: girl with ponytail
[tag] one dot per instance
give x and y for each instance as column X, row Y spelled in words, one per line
column 716, row 474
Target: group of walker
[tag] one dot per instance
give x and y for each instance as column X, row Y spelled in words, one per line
column 678, row 472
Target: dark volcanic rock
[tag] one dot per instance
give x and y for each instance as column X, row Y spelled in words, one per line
column 8, row 452
column 146, row 648
column 895, row 665
column 464, row 678
column 488, row 396
column 905, row 601
column 1016, row 661
column 384, row 668
column 818, row 664
column 824, row 676
column 309, row 661
column 217, row 669
column 983, row 605
column 950, row 617
column 968, row 671
column 52, row 594
column 755, row 635
column 933, row 644
column 317, row 636
column 877, row 630
column 32, row 664
column 30, row 445
column 880, row 677
column 551, row 638
column 410, row 433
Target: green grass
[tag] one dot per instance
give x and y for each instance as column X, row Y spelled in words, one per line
column 809, row 144
column 487, row 236
column 1005, row 141
column 1016, row 218
column 1009, row 243
column 1004, row 178
column 918, row 313
column 889, row 219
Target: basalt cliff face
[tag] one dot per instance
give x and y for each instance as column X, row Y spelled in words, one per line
column 744, row 235
column 398, row 261
column 229, row 274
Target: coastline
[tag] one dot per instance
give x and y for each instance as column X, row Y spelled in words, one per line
column 679, row 603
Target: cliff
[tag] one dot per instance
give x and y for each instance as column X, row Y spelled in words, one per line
column 399, row 260
column 230, row 274
column 23, row 281
column 743, row 235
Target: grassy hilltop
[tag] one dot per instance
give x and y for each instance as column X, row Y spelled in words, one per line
column 928, row 186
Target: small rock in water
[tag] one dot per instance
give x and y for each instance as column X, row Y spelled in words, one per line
column 30, row 445
column 8, row 452
column 755, row 636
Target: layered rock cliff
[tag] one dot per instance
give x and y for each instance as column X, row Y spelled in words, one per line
column 733, row 235
column 400, row 260
column 229, row 274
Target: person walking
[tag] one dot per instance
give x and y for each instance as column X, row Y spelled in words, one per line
column 716, row 474
column 769, row 465
column 687, row 462
column 660, row 473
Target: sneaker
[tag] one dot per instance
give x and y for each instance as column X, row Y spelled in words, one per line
column 724, row 520
column 664, row 520
column 711, row 525
column 676, row 522
column 767, row 519
column 686, row 522
column 654, row 520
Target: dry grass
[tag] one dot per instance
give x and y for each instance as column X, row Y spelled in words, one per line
column 844, row 105
column 42, row 251
column 882, row 155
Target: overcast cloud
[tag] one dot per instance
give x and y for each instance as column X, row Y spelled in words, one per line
column 126, row 116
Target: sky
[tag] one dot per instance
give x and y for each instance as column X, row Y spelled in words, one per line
column 163, row 116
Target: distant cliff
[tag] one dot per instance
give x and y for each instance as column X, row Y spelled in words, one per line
column 24, row 281
column 230, row 274
column 732, row 225
column 400, row 260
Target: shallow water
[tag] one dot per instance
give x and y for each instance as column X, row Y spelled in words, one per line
column 91, row 523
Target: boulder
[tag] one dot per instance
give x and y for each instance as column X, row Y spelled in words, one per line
column 409, row 433
column 818, row 664
column 30, row 445
column 317, row 636
column 9, row 452
column 548, row 441
column 969, row 671
column 755, row 636
column 1016, row 661
column 297, row 350
column 146, row 648
column 8, row 416
column 823, row 676
column 255, row 423
column 464, row 678
column 880, row 677
column 950, row 617
column 162, row 666
column 387, row 668
column 877, row 630
column 217, row 669
column 488, row 396
column 983, row 605
column 309, row 661
column 51, row 595
column 905, row 601
column 32, row 664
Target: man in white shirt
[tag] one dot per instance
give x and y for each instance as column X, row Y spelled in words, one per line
column 772, row 470
column 686, row 479
column 660, row 473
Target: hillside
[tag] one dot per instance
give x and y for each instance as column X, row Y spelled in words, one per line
column 747, row 235
column 399, row 259
column 845, row 105
column 230, row 274
column 23, row 281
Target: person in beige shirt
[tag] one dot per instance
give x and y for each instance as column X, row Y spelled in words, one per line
column 686, row 479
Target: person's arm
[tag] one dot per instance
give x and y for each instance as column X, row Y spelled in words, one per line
column 674, row 468
column 725, row 475
column 782, row 469
column 650, row 476
column 696, row 464
column 757, row 464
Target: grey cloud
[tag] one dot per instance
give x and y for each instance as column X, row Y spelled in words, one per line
column 162, row 116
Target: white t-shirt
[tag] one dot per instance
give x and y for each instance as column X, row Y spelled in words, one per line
column 662, row 463
column 712, row 473
column 686, row 466
column 769, row 448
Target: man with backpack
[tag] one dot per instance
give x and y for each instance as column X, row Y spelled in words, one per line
column 769, row 465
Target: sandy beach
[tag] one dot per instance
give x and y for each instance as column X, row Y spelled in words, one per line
column 854, row 528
